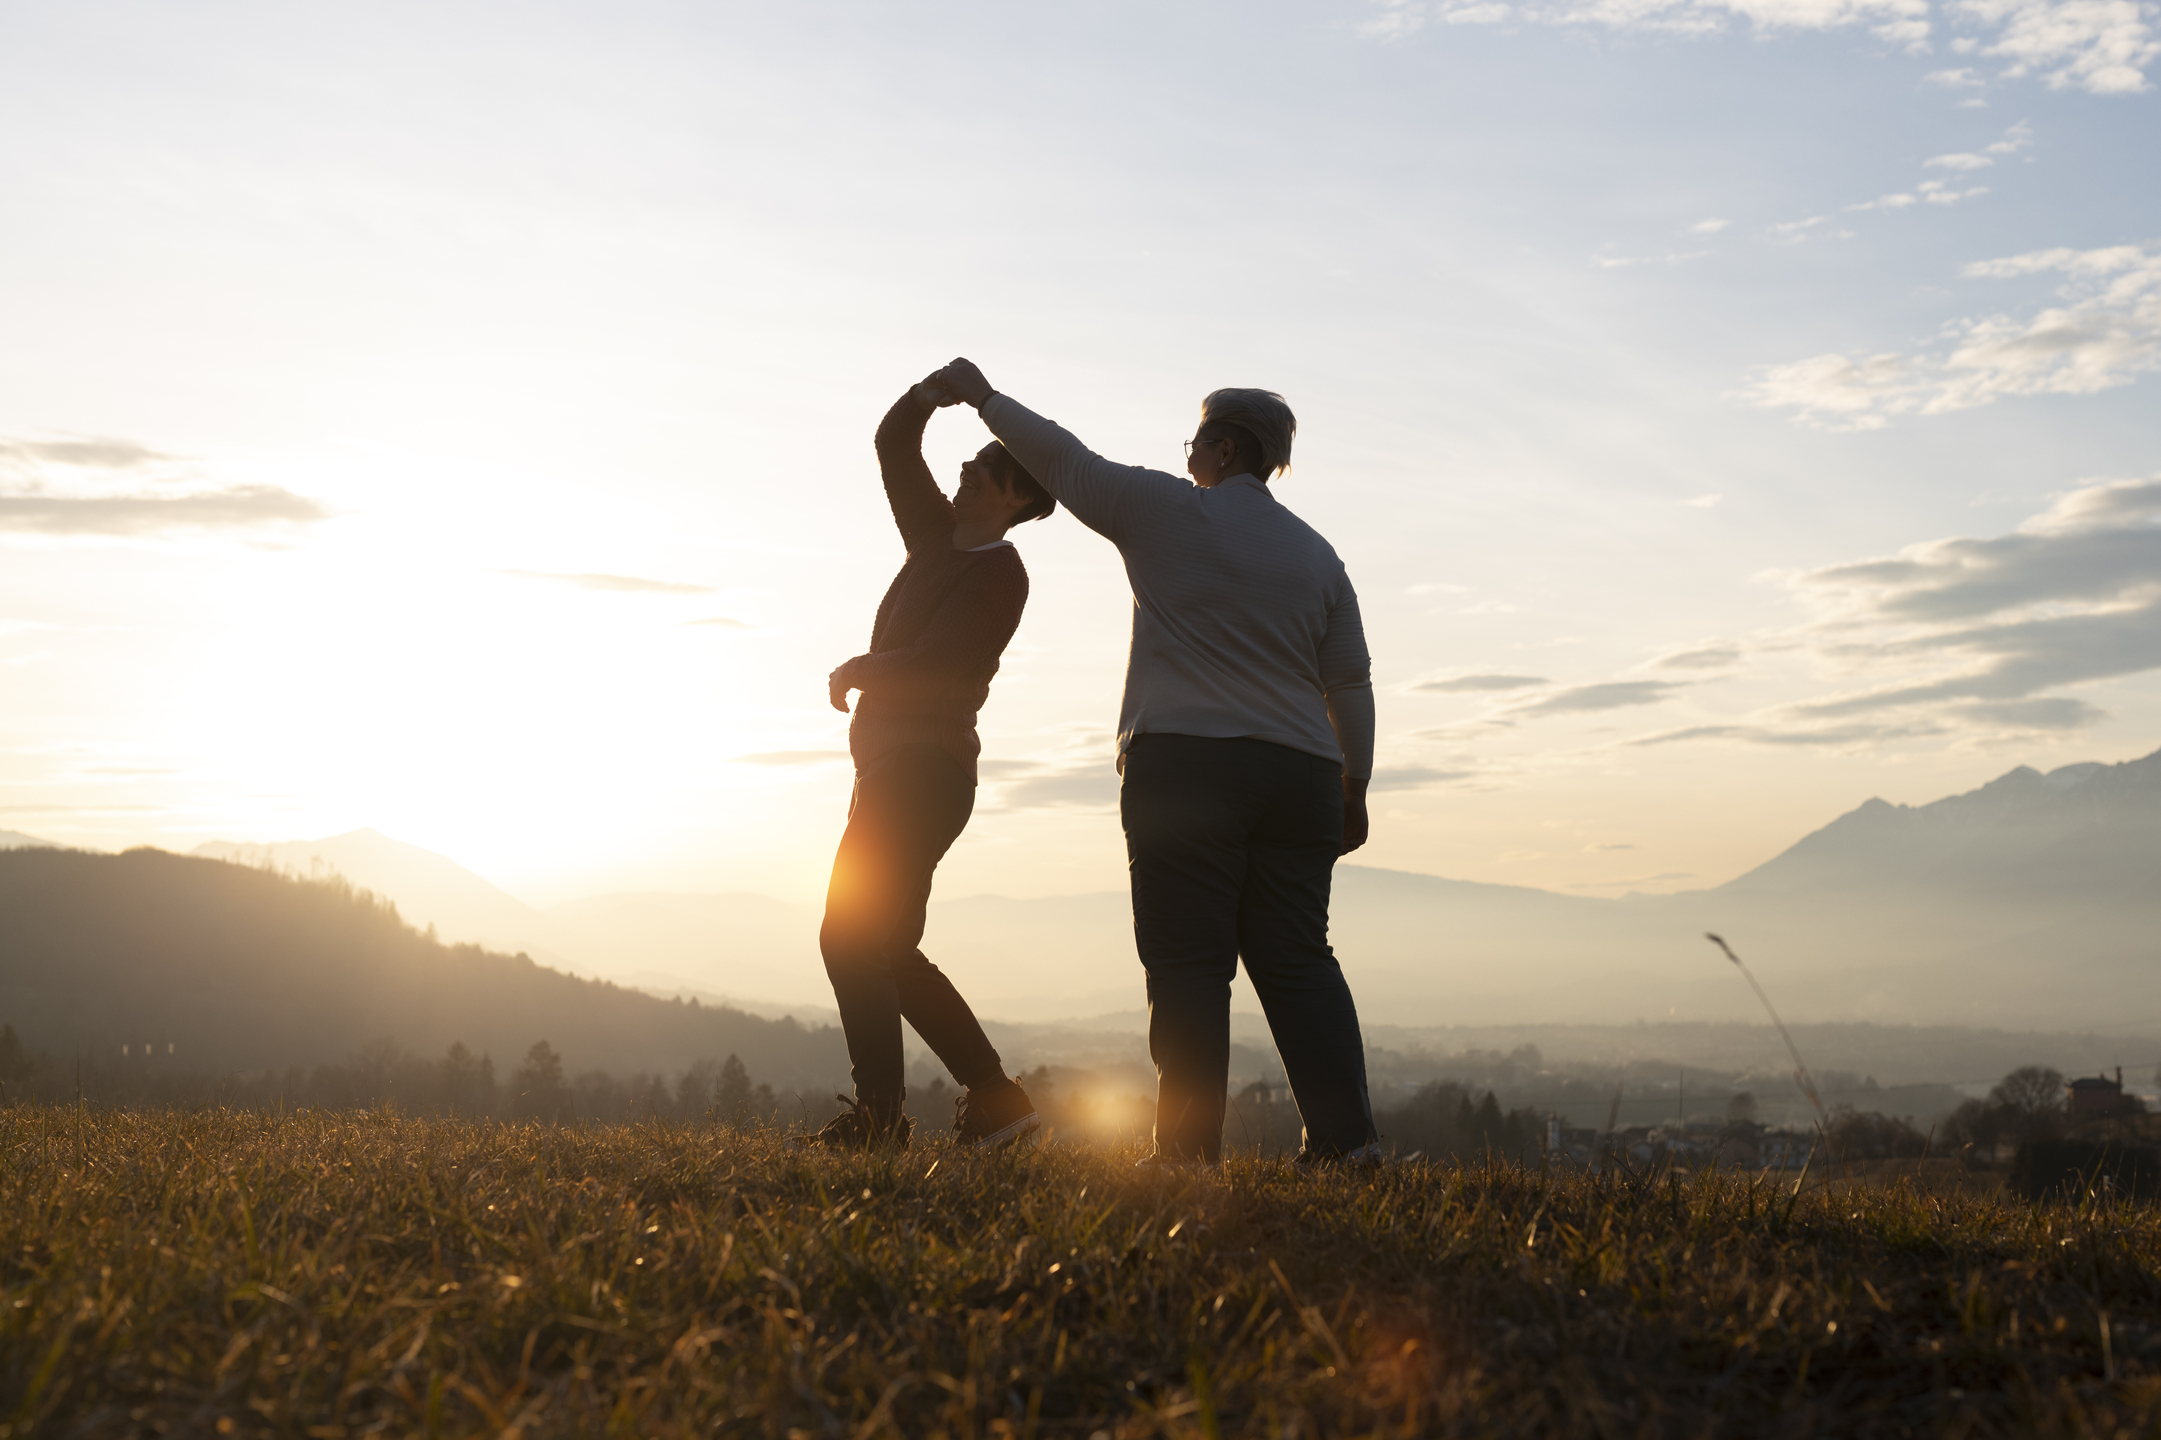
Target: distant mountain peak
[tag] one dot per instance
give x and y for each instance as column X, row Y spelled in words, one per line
column 2080, row 828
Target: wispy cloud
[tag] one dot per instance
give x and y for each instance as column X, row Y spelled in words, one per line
column 1901, row 21
column 1977, row 635
column 243, row 507
column 1715, row 656
column 1662, row 878
column 723, row 622
column 122, row 488
column 791, row 757
column 1476, row 684
column 1606, row 695
column 1416, row 777
column 2100, row 46
column 92, row 453
column 1092, row 786
column 2105, row 333
column 617, row 584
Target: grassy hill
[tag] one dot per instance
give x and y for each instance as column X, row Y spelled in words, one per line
column 222, row 967
column 221, row 1274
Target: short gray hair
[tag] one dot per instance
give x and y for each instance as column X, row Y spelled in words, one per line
column 1264, row 415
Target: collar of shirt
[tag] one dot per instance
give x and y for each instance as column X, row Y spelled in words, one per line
column 992, row 546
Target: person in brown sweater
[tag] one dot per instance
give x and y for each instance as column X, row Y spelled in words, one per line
column 934, row 647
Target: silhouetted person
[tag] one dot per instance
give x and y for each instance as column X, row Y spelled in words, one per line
column 943, row 624
column 1245, row 740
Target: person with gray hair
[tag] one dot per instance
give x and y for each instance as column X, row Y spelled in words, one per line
column 1245, row 742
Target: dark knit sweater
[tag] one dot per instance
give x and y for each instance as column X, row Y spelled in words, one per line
column 944, row 621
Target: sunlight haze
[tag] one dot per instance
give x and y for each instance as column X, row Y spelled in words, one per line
column 456, row 420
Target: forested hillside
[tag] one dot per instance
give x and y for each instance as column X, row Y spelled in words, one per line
column 202, row 965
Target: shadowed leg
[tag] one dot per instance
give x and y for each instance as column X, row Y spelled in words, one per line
column 1185, row 817
column 1283, row 935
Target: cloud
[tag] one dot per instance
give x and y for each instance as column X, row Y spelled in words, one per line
column 1718, row 656
column 1704, row 502
column 1708, row 227
column 1615, row 845
column 1606, row 261
column 91, row 454
column 1472, row 684
column 1090, row 786
column 1961, row 79
column 791, row 757
column 2015, row 139
column 1416, row 777
column 1661, row 878
column 1979, row 635
column 620, row 584
column 1960, row 162
column 2100, row 46
column 1901, row 21
column 723, row 621
column 2105, row 334
column 243, row 507
column 1842, row 736
column 1607, row 695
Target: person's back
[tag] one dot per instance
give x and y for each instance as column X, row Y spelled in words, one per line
column 1243, row 616
column 1246, row 744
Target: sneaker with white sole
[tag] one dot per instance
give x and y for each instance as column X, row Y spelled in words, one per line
column 1369, row 1156
column 995, row 1115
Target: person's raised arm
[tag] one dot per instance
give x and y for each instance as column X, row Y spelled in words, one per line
column 1107, row 497
column 921, row 511
column 1347, row 681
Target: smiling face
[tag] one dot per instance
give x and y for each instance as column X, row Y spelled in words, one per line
column 984, row 498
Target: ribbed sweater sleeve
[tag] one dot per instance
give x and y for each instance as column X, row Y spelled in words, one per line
column 1347, row 680
column 1109, row 498
column 920, row 510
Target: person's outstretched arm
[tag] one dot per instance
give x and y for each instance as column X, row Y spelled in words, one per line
column 1109, row 498
column 921, row 511
column 1347, row 680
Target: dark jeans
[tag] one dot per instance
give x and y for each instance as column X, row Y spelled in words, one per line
column 906, row 812
column 1230, row 843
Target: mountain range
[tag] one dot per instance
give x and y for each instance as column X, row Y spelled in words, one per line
column 2035, row 899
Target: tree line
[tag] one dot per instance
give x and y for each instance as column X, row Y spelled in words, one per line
column 458, row 1083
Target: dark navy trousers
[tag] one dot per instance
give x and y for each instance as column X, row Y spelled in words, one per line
column 1231, row 845
column 908, row 809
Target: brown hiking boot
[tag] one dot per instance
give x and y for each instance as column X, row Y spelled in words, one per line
column 858, row 1128
column 995, row 1115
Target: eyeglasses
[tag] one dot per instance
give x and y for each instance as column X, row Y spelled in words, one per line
column 1191, row 443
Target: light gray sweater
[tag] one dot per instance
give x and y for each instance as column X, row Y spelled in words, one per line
column 1244, row 622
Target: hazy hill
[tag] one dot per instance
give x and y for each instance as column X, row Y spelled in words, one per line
column 428, row 889
column 239, row 968
column 748, row 946
column 2034, row 900
column 16, row 840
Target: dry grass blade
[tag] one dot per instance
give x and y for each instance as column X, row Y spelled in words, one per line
column 1801, row 1076
column 217, row 1273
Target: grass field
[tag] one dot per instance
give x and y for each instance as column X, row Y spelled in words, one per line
column 317, row 1275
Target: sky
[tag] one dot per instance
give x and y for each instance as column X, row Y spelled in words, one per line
column 455, row 418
